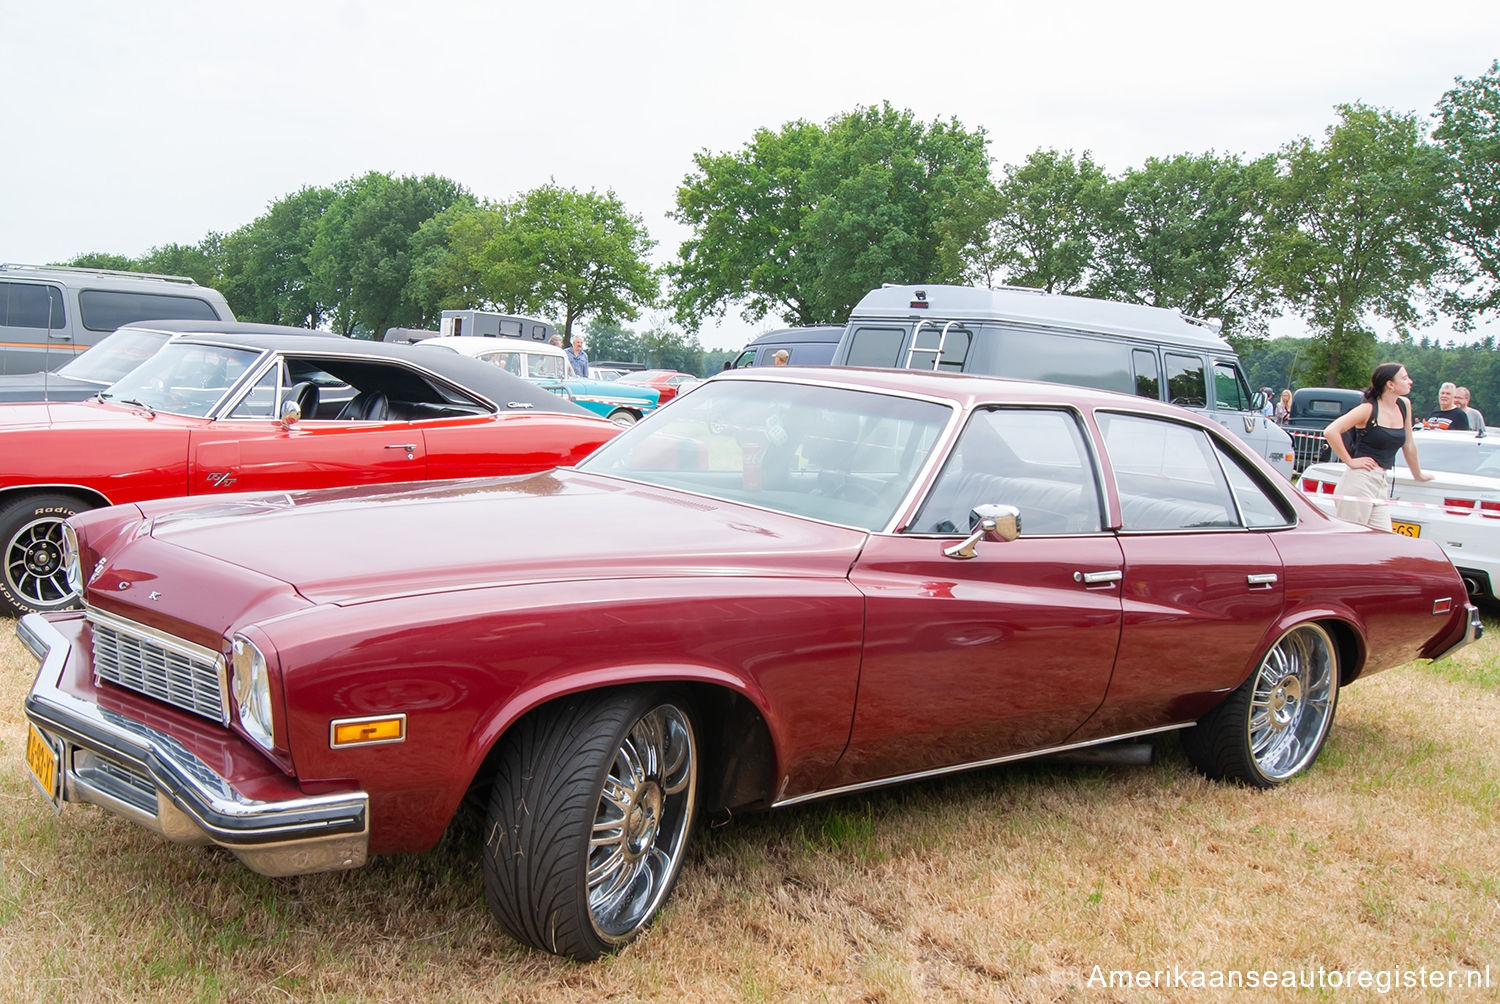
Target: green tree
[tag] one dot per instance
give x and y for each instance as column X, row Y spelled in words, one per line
column 803, row 222
column 453, row 266
column 104, row 259
column 1470, row 134
column 608, row 340
column 578, row 254
column 202, row 262
column 361, row 259
column 1355, row 229
column 1185, row 232
column 1045, row 225
column 268, row 262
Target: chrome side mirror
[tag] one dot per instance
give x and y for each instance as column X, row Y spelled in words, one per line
column 998, row 523
column 291, row 412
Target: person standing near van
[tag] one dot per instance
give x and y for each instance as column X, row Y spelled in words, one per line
column 1284, row 408
column 578, row 360
column 1381, row 425
column 1476, row 417
column 1448, row 415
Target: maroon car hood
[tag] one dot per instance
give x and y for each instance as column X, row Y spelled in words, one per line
column 349, row 545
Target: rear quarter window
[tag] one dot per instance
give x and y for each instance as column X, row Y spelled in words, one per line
column 108, row 309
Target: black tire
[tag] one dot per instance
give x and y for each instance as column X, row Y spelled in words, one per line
column 623, row 417
column 33, row 578
column 1273, row 726
column 578, row 859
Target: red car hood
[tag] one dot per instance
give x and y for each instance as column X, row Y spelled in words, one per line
column 349, row 545
column 42, row 415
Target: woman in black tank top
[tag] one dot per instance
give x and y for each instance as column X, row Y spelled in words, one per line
column 1382, row 425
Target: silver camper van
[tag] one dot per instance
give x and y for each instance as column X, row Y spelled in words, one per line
column 488, row 324
column 51, row 313
column 1032, row 335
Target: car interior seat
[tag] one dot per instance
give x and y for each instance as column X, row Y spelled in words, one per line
column 367, row 407
column 306, row 396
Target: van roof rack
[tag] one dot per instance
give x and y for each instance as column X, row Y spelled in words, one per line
column 78, row 270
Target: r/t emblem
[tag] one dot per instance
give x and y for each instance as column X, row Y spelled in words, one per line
column 219, row 480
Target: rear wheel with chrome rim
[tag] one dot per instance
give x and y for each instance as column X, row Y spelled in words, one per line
column 1274, row 725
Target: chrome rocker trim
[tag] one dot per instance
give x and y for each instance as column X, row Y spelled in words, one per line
column 146, row 776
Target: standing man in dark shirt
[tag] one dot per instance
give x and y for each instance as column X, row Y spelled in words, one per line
column 1448, row 415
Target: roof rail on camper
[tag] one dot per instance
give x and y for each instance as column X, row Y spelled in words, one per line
column 78, row 270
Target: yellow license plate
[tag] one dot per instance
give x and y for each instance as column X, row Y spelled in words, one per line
column 43, row 761
column 1406, row 529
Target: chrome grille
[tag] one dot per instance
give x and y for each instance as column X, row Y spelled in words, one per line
column 167, row 669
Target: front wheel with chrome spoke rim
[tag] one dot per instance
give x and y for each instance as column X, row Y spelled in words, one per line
column 1273, row 726
column 34, row 577
column 589, row 819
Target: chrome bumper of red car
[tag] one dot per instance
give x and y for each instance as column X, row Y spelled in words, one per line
column 1473, row 631
column 134, row 770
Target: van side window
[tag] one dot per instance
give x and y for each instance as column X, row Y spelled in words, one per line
column 26, row 305
column 1185, row 383
column 1147, row 376
column 876, row 347
column 1230, row 390
column 107, row 309
column 1041, row 355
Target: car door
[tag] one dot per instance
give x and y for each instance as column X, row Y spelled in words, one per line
column 970, row 659
column 250, row 449
column 1202, row 585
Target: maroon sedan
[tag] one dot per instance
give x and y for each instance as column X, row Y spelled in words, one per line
column 791, row 584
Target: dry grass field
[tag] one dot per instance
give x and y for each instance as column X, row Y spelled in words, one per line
column 1009, row 884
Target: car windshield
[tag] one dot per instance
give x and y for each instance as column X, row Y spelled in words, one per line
column 828, row 453
column 1459, row 453
column 184, row 378
column 114, row 356
column 541, row 366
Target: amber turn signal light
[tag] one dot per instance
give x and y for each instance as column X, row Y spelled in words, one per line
column 367, row 731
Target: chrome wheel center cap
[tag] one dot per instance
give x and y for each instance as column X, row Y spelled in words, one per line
column 41, row 559
column 1284, row 701
column 643, row 819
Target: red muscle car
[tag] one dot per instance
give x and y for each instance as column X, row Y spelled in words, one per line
column 208, row 414
column 792, row 583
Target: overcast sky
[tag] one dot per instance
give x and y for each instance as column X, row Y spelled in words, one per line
column 128, row 125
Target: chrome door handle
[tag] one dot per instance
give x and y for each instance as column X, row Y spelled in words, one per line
column 408, row 447
column 1097, row 578
column 1267, row 579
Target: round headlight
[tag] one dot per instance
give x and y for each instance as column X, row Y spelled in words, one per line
column 252, row 691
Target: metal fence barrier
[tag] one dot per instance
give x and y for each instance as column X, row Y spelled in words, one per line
column 1311, row 448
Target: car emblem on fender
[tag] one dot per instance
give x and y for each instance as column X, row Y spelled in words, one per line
column 153, row 595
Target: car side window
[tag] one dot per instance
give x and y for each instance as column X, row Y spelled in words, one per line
column 1168, row 475
column 1035, row 459
column 260, row 400
column 1259, row 508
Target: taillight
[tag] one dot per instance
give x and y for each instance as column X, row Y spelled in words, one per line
column 1459, row 507
column 1490, row 509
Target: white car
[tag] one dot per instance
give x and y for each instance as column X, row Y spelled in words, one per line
column 1459, row 508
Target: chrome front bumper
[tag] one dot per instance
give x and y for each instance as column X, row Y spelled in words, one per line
column 139, row 772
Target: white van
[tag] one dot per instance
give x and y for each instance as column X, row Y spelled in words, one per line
column 1032, row 335
column 50, row 313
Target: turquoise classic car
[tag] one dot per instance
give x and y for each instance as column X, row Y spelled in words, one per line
column 547, row 365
